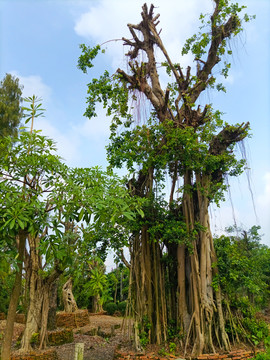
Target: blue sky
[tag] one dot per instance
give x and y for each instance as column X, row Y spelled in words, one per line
column 40, row 44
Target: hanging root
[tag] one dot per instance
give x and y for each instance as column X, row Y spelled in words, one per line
column 188, row 333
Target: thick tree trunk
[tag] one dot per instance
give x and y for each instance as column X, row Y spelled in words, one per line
column 69, row 301
column 37, row 315
column 35, row 295
column 97, row 307
column 52, row 306
column 197, row 315
column 39, row 295
column 5, row 355
column 44, row 315
column 33, row 319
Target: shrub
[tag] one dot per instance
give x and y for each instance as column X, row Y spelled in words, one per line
column 122, row 307
column 263, row 356
column 110, row 308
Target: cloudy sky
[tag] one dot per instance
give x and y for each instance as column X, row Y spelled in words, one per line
column 40, row 45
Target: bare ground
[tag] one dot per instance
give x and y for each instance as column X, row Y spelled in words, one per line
column 105, row 344
column 96, row 347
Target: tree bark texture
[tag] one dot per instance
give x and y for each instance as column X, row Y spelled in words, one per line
column 69, row 301
column 97, row 306
column 147, row 288
column 53, row 306
column 39, row 295
column 6, row 346
column 147, row 273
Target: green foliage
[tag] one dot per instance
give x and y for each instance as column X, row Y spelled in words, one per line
column 144, row 331
column 43, row 197
column 111, row 308
column 174, row 332
column 118, row 283
column 35, row 110
column 98, row 282
column 88, row 54
column 172, row 347
column 6, row 284
column 264, row 355
column 227, row 18
column 244, row 265
column 10, row 105
column 34, row 339
column 122, row 307
column 256, row 330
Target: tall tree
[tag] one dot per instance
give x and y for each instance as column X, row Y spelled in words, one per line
column 10, row 105
column 194, row 147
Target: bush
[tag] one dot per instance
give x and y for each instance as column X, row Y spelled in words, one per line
column 110, row 308
column 122, row 307
column 263, row 356
column 258, row 330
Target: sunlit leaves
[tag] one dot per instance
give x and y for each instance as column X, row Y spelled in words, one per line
column 42, row 196
column 227, row 17
column 35, row 110
column 88, row 55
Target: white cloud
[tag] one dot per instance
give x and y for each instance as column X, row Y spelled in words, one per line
column 242, row 211
column 107, row 20
column 97, row 127
column 67, row 143
column 263, row 202
column 223, row 217
column 34, row 85
column 75, row 140
column 264, row 198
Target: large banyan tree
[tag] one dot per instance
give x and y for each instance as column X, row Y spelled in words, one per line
column 173, row 261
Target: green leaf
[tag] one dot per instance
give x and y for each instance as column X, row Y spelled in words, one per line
column 129, row 215
column 12, row 224
column 81, row 214
column 21, row 224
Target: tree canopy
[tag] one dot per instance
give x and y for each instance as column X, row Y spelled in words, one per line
column 10, row 105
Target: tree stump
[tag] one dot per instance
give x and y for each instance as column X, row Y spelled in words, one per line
column 72, row 320
column 79, row 348
column 60, row 337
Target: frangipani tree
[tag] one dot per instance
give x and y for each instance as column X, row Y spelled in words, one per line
column 42, row 201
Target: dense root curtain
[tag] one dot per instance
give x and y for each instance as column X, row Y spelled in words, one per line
column 200, row 311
